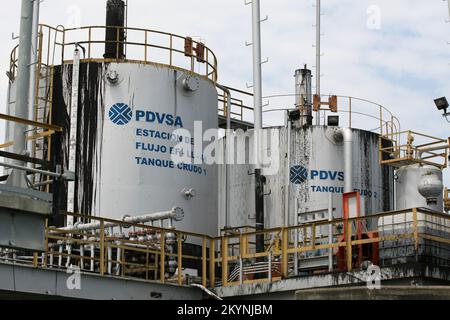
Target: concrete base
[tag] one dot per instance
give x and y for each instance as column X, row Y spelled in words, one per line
column 385, row 293
column 408, row 275
column 21, row 282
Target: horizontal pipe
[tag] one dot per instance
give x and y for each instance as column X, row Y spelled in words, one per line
column 43, row 172
column 176, row 214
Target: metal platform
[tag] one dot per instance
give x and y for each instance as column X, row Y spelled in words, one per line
column 18, row 281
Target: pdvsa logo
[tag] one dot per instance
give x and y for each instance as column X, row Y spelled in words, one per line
column 120, row 114
column 299, row 174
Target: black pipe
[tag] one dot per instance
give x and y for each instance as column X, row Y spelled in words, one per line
column 115, row 30
column 260, row 180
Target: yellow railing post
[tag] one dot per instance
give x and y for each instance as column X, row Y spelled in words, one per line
column 212, row 263
column 284, row 254
column 163, row 258
column 35, row 260
column 180, row 259
column 204, row 263
column 349, row 245
column 224, row 253
column 102, row 247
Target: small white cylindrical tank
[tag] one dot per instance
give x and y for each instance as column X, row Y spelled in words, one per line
column 419, row 187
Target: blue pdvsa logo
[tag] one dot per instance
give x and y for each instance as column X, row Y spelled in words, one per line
column 299, row 174
column 120, row 114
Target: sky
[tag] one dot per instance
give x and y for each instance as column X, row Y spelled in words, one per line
column 393, row 52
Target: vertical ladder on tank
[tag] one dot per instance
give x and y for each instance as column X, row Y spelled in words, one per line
column 41, row 145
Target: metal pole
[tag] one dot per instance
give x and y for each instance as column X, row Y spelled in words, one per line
column 33, row 66
column 318, row 54
column 330, row 232
column 17, row 178
column 257, row 79
column 288, row 176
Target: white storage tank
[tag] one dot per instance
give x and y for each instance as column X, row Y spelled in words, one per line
column 314, row 169
column 419, row 186
column 128, row 121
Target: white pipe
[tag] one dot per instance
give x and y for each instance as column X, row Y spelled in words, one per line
column 43, row 172
column 22, row 89
column 109, row 260
column 51, row 260
column 119, row 258
column 348, row 155
column 318, row 53
column 73, row 133
column 227, row 155
column 60, row 255
column 330, row 232
column 176, row 214
column 257, row 80
column 33, row 67
column 92, row 257
column 69, row 252
column 346, row 136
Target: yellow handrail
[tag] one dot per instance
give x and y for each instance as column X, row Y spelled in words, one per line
column 59, row 39
column 145, row 252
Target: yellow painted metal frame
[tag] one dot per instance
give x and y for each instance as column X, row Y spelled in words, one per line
column 403, row 151
column 59, row 39
column 223, row 253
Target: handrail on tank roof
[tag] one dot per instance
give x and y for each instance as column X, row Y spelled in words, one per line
column 390, row 122
column 52, row 39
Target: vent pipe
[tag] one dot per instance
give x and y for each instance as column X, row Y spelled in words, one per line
column 303, row 95
column 17, row 178
column 115, row 30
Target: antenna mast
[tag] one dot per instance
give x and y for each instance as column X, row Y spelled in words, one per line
column 318, row 54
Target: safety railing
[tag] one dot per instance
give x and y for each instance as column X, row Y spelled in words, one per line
column 38, row 165
column 139, row 251
column 355, row 112
column 140, row 46
column 240, row 103
column 385, row 239
column 115, row 248
column 408, row 147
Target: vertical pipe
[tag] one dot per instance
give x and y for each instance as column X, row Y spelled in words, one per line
column 259, row 208
column 347, row 135
column 33, row 66
column 228, row 155
column 288, row 175
column 330, row 232
column 23, row 88
column 257, row 79
column 296, row 240
column 303, row 95
column 318, row 54
column 73, row 134
column 115, row 31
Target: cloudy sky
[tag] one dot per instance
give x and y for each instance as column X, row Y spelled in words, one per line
column 394, row 52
